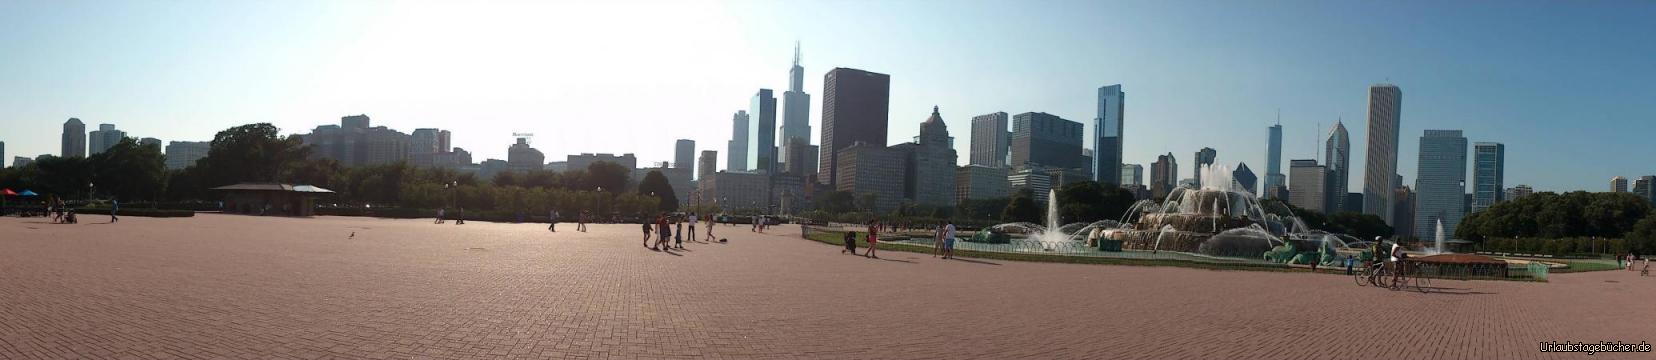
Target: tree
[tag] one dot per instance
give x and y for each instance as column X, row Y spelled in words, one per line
column 610, row 176
column 1642, row 239
column 1088, row 201
column 129, row 171
column 655, row 184
column 838, row 202
column 1022, row 208
column 69, row 178
column 252, row 152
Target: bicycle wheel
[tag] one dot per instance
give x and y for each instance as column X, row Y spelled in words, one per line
column 1362, row 276
column 1381, row 279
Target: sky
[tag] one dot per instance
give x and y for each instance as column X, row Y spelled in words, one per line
column 1565, row 85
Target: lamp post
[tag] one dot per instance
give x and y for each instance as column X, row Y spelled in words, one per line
column 600, row 201
column 454, row 188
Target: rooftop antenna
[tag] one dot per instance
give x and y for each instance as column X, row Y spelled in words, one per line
column 798, row 55
column 1279, row 116
column 523, row 136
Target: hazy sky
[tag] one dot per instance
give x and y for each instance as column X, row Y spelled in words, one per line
column 1567, row 86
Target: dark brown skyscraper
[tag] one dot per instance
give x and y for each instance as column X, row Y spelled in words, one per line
column 855, row 108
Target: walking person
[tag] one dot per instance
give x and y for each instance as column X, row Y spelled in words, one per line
column 662, row 233
column 873, row 238
column 648, row 225
column 460, row 217
column 948, row 240
column 114, row 206
column 552, row 220
column 439, row 219
column 755, row 223
column 678, row 233
column 580, row 221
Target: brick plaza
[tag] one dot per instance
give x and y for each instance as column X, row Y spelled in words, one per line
column 226, row 287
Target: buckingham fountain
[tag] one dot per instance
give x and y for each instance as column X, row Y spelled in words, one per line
column 1214, row 220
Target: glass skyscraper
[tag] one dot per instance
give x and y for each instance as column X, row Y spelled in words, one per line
column 1107, row 137
column 1488, row 173
column 1380, row 171
column 1440, row 184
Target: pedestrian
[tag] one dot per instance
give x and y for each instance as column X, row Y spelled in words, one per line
column 114, row 206
column 692, row 222
column 580, row 221
column 460, row 216
column 647, row 227
column 552, row 220
column 712, row 221
column 937, row 241
column 678, row 233
column 755, row 219
column 439, row 218
column 1646, row 271
column 948, row 240
column 850, row 242
column 663, row 233
column 1349, row 261
column 873, row 238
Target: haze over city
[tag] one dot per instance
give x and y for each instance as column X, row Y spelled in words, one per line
column 1564, row 85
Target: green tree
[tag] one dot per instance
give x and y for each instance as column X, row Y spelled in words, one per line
column 838, row 202
column 129, row 171
column 249, row 153
column 610, row 176
column 655, row 184
column 1022, row 208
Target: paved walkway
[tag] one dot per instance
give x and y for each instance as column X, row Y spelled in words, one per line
column 223, row 286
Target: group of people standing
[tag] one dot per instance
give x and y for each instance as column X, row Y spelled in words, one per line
column 943, row 240
column 672, row 227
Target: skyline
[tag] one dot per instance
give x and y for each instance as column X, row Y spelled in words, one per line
column 1201, row 74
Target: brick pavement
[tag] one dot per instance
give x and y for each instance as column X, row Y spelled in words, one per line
column 222, row 286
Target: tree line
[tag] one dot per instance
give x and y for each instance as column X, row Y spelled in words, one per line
column 259, row 153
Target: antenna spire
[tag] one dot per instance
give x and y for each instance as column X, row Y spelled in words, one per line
column 797, row 54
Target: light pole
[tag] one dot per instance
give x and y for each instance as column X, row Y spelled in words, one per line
column 454, row 188
column 600, row 201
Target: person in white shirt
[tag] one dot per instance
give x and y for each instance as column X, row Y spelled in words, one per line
column 948, row 240
column 692, row 222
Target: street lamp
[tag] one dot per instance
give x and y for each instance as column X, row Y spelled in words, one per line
column 600, row 201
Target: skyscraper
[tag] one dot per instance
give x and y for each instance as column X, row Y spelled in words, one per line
column 856, row 107
column 1164, row 175
column 1273, row 161
column 521, row 157
column 1645, row 187
column 1246, row 178
column 182, row 154
column 355, row 143
column 761, row 150
column 736, row 151
column 2, row 154
column 1517, row 192
column 74, row 138
column 1307, row 183
column 708, row 164
column 990, row 140
column 443, row 143
column 149, row 141
column 423, row 141
column 1204, row 157
column 1337, row 158
column 684, row 154
column 1385, row 108
column 1107, row 134
column 929, row 167
column 1488, row 175
column 1132, row 174
column 796, row 119
column 1440, row 183
column 102, row 139
column 1046, row 141
column 1618, row 184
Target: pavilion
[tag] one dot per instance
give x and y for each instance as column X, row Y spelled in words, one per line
column 271, row 198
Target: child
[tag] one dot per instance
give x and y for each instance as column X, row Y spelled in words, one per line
column 647, row 234
column 678, row 234
column 850, row 243
column 1646, row 270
